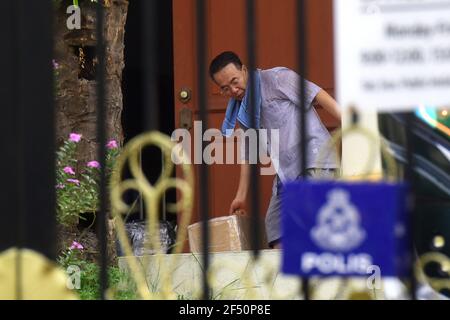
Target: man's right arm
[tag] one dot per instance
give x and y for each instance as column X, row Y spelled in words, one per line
column 238, row 204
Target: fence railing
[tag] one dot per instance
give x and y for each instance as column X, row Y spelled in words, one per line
column 27, row 132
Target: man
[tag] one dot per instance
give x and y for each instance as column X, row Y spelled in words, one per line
column 277, row 106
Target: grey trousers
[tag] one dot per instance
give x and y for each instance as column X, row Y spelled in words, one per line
column 273, row 215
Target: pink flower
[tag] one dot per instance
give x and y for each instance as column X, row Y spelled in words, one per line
column 75, row 137
column 76, row 245
column 55, row 64
column 69, row 170
column 60, row 186
column 75, row 181
column 112, row 144
column 93, row 164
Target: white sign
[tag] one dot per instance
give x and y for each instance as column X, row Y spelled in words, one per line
column 392, row 54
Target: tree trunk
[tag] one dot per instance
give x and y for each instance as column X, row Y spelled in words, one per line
column 75, row 89
column 75, row 80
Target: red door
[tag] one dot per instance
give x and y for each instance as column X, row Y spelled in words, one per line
column 276, row 46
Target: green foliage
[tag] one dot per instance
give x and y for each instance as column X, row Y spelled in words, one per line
column 78, row 192
column 121, row 286
column 57, row 3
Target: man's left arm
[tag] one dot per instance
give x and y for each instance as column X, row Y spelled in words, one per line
column 328, row 103
column 288, row 86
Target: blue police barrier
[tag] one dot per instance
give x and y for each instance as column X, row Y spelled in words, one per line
column 338, row 228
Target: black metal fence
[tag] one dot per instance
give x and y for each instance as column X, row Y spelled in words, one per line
column 27, row 127
column 27, row 131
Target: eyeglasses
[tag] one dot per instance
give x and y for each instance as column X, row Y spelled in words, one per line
column 226, row 90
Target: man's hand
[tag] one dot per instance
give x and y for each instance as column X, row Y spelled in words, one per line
column 237, row 207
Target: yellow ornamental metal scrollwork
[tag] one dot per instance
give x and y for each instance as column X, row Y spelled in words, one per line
column 152, row 195
column 442, row 261
column 38, row 278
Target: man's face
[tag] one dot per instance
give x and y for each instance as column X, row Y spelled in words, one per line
column 232, row 81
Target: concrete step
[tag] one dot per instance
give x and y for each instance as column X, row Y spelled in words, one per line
column 235, row 276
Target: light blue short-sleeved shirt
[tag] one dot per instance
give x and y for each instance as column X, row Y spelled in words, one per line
column 280, row 109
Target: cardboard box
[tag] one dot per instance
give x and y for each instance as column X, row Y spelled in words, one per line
column 227, row 233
